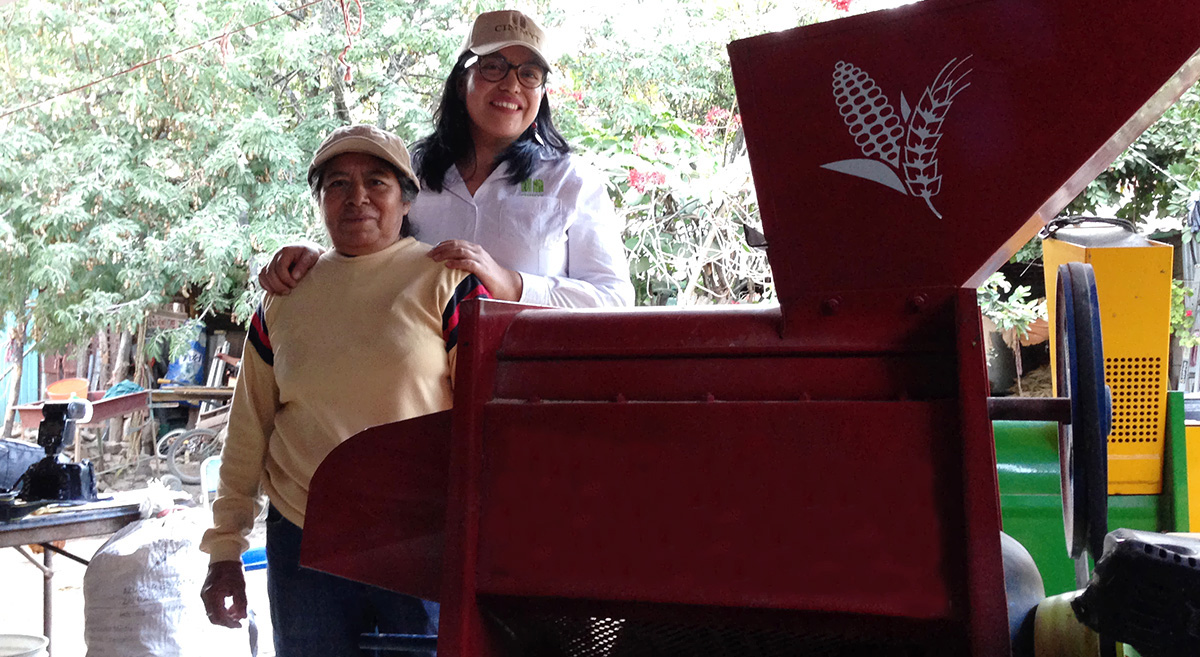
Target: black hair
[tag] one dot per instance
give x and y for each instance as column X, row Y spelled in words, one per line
column 408, row 190
column 451, row 139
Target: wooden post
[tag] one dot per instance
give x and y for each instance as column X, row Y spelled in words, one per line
column 120, row 360
column 140, row 378
column 102, row 360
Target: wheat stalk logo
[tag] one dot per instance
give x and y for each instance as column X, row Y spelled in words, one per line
column 879, row 131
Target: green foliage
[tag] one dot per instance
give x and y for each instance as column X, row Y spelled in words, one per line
column 1156, row 175
column 1031, row 252
column 648, row 98
column 684, row 207
column 1008, row 308
column 166, row 183
column 1182, row 322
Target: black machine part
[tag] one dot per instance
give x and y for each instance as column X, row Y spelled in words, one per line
column 1145, row 591
column 1083, row 443
column 58, row 424
column 54, row 478
column 1104, row 231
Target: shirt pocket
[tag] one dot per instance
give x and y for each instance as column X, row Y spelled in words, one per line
column 534, row 232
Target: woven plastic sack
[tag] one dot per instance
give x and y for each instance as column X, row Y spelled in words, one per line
column 141, row 594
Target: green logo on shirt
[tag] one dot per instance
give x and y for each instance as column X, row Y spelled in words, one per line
column 535, row 186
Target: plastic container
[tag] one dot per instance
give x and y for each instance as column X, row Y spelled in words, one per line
column 65, row 389
column 15, row 459
column 23, row 645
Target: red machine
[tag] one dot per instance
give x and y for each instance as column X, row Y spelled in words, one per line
column 816, row 478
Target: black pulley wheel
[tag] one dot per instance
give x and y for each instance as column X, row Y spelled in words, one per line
column 1083, row 443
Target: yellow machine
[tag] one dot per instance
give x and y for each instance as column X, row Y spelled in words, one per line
column 1133, row 282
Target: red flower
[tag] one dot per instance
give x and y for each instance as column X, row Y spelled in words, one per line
column 637, row 180
column 716, row 115
column 577, row 96
column 840, row 5
column 1187, row 314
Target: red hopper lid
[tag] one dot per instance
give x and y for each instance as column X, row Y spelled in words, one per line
column 922, row 146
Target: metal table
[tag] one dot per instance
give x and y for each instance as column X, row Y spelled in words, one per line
column 115, row 408
column 95, row 519
column 106, row 409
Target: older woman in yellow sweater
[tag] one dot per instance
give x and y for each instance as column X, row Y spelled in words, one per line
column 371, row 339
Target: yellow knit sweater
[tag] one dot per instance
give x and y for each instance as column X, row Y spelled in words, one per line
column 362, row 341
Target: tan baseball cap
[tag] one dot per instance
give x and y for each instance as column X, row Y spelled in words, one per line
column 494, row 30
column 364, row 138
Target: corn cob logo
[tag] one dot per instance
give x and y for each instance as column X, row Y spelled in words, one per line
column 900, row 149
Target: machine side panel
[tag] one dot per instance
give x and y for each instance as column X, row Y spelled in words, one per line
column 1134, row 289
column 733, row 378
column 988, row 608
column 1133, row 286
column 853, row 321
column 822, row 506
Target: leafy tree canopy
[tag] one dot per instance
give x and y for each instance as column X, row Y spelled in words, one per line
column 166, row 181
column 1155, row 177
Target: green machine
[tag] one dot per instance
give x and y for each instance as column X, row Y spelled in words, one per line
column 1031, row 499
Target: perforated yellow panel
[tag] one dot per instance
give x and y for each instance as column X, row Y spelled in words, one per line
column 1133, row 285
column 1137, row 394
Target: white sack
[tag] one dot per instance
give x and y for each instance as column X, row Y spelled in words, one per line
column 141, row 594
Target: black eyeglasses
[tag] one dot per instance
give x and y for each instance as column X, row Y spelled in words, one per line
column 495, row 68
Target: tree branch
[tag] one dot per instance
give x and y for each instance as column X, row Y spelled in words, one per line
column 116, row 307
column 28, row 351
column 339, row 95
column 303, row 13
column 163, row 126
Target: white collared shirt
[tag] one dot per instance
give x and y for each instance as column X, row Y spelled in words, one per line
column 557, row 229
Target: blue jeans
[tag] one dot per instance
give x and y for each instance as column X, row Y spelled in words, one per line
column 315, row 614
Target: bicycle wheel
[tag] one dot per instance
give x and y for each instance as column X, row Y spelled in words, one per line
column 162, row 445
column 187, row 453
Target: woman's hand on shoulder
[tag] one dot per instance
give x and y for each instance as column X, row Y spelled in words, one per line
column 501, row 283
column 289, row 264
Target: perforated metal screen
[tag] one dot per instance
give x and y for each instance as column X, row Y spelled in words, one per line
column 542, row 635
column 1137, row 385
